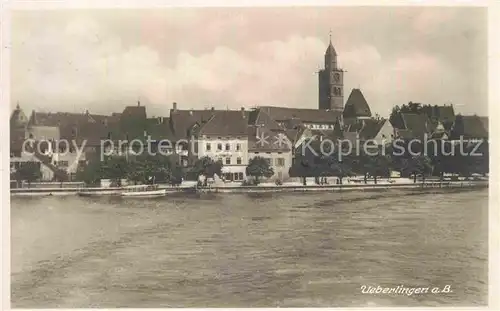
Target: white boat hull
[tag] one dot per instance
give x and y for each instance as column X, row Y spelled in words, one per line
column 145, row 194
column 99, row 193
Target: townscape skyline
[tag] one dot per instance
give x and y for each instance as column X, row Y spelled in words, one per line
column 104, row 60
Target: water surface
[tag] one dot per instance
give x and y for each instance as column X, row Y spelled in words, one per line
column 286, row 250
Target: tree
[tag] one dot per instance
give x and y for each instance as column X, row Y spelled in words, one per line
column 395, row 119
column 374, row 164
column 207, row 166
column 176, row 171
column 29, row 171
column 90, row 173
column 115, row 168
column 300, row 168
column 419, row 165
column 259, row 167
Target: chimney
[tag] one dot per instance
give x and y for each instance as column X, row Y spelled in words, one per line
column 86, row 112
column 191, row 112
column 138, row 103
column 174, row 106
column 213, row 109
column 243, row 112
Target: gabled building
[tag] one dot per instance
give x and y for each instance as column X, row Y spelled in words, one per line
column 224, row 137
column 379, row 131
column 416, row 126
column 267, row 139
column 470, row 128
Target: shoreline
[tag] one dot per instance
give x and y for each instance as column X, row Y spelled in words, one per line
column 37, row 192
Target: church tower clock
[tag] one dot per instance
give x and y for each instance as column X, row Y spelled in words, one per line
column 331, row 82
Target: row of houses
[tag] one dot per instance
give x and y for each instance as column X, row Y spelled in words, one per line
column 232, row 136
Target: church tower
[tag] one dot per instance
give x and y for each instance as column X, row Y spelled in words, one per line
column 331, row 82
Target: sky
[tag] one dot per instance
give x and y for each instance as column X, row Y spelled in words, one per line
column 105, row 59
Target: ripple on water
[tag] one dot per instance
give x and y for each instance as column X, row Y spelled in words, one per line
column 287, row 250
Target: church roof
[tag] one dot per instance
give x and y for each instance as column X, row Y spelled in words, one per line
column 356, row 105
column 330, row 49
column 304, row 115
column 18, row 118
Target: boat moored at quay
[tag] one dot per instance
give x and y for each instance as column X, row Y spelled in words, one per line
column 143, row 191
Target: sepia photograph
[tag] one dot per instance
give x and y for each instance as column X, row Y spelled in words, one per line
column 259, row 157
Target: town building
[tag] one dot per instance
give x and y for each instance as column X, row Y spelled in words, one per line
column 223, row 137
column 269, row 140
column 379, row 131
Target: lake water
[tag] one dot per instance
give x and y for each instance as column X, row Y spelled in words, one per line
column 279, row 250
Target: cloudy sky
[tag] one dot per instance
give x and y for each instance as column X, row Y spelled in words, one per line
column 103, row 60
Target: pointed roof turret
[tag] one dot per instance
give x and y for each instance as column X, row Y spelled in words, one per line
column 330, row 50
column 356, row 105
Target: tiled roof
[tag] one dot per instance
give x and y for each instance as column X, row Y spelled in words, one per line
column 160, row 129
column 77, row 126
column 404, row 134
column 371, row 128
column 356, row 105
column 261, row 118
column 304, row 115
column 134, row 111
column 469, row 127
column 226, row 123
column 183, row 120
column 417, row 124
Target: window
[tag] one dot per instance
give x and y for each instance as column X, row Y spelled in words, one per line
column 238, row 160
column 63, row 163
column 238, row 147
column 219, row 146
column 228, row 160
column 256, row 152
column 208, row 147
column 280, row 162
column 228, row 147
column 240, row 176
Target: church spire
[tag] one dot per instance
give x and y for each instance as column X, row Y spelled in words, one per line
column 330, row 51
column 330, row 55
